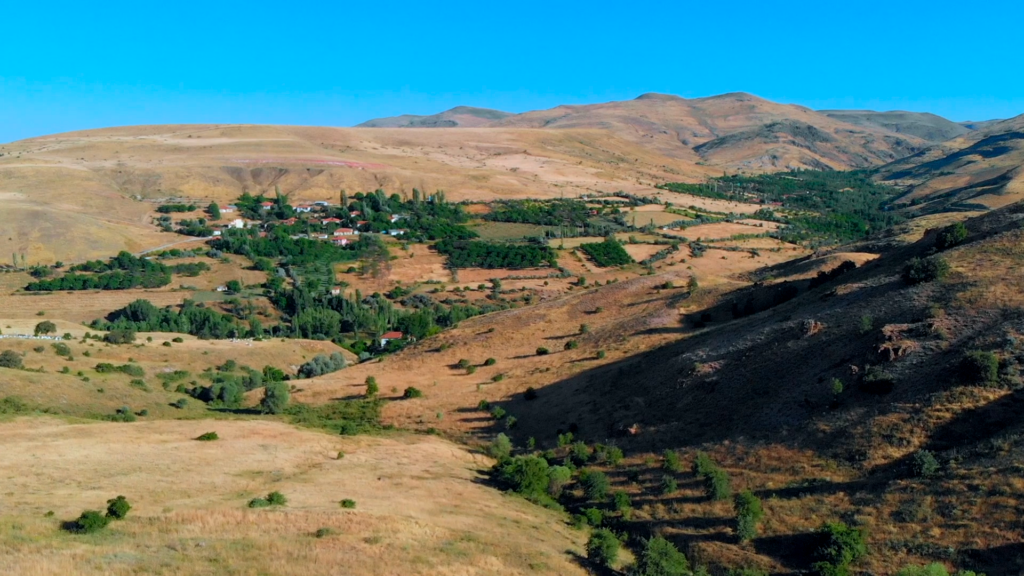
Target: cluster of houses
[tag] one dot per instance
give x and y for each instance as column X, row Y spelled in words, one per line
column 340, row 236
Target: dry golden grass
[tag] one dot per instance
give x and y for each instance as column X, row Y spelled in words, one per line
column 420, row 508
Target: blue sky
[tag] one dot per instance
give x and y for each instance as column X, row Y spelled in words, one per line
column 75, row 65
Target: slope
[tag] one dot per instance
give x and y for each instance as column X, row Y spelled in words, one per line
column 977, row 171
column 930, row 127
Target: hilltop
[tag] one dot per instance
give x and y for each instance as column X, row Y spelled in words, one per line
column 930, row 127
column 464, row 116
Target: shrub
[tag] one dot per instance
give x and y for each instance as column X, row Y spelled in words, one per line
column 10, row 359
column 925, row 270
column 579, row 453
column 259, row 503
column 207, row 436
column 601, row 354
column 123, row 414
column 703, row 465
column 584, row 328
column 490, row 362
column 572, row 345
column 668, row 485
column 323, row 532
column 180, row 403
column 838, row 546
column 924, row 464
column 748, row 514
column 980, row 367
column 498, row 412
column 471, row 370
column 621, row 501
column 500, row 448
column 672, row 462
column 716, row 485
column 348, row 503
column 497, row 378
column 177, row 339
column 88, row 522
column 951, row 236
column 558, row 478
column 542, row 351
column 117, row 508
column 595, row 484
column 934, row 569
column 603, row 547
column 276, row 499
column 462, row 364
column 275, row 398
column 594, row 516
column 660, row 558
column 119, row 336
column 614, row 455
column 483, row 405
column 372, row 389
column 62, row 349
column 412, row 392
column 167, row 344
column 140, row 384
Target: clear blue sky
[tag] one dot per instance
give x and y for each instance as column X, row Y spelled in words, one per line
column 75, row 65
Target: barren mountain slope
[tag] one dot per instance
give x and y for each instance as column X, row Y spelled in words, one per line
column 465, row 116
column 926, row 126
column 982, row 169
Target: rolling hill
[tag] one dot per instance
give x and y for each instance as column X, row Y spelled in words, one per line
column 979, row 170
column 926, row 126
column 464, row 116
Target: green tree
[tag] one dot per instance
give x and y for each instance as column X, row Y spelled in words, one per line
column 980, row 367
column 838, row 546
column 526, row 475
column 275, row 398
column 660, row 558
column 45, row 327
column 372, row 389
column 500, row 448
column 213, row 210
column 117, row 508
column 603, row 547
column 748, row 514
column 595, row 484
column 10, row 359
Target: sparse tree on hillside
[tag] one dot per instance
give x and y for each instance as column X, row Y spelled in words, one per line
column 213, row 210
column 45, row 327
column 275, row 398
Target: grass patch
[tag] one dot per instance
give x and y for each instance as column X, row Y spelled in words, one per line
column 346, row 417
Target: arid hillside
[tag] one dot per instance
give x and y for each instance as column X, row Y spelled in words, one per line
column 979, row 170
column 926, row 126
column 465, row 116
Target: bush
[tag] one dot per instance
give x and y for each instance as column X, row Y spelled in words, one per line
column 603, row 547
column 572, row 345
column 660, row 558
column 594, row 516
column 10, row 359
column 62, row 349
column 595, row 484
column 934, row 569
column 601, row 354
column 123, row 414
column 119, row 336
column 275, row 398
column 372, row 389
column 703, row 465
column 498, row 412
column 925, row 270
column 462, row 364
column 558, row 478
column 412, row 392
column 951, row 236
column 542, row 351
column 621, row 501
column 88, row 522
column 490, row 362
column 348, row 503
column 716, row 485
column 500, row 448
column 579, row 453
column 177, row 339
column 207, row 436
column 276, row 499
column 838, row 547
column 530, row 393
column 323, row 532
column 672, row 462
column 180, row 403
column 980, row 367
column 117, row 508
column 525, row 475
column 669, row 485
column 924, row 464
column 748, row 514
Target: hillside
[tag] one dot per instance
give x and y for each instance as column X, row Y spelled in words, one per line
column 460, row 116
column 979, row 170
column 748, row 374
column 926, row 126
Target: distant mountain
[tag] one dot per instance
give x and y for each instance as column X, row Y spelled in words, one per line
column 460, row 116
column 982, row 169
column 738, row 130
column 926, row 126
column 979, row 125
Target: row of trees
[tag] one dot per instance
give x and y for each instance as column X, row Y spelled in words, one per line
column 608, row 253
column 121, row 272
column 478, row 254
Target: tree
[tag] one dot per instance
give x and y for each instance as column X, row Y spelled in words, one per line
column 595, row 484
column 372, row 389
column 233, row 286
column 501, row 448
column 924, row 464
column 526, row 475
column 748, row 513
column 10, row 359
column 660, row 558
column 925, row 270
column 45, row 327
column 980, row 367
column 838, row 546
column 213, row 210
column 603, row 547
column 88, row 522
column 951, row 236
column 275, row 398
